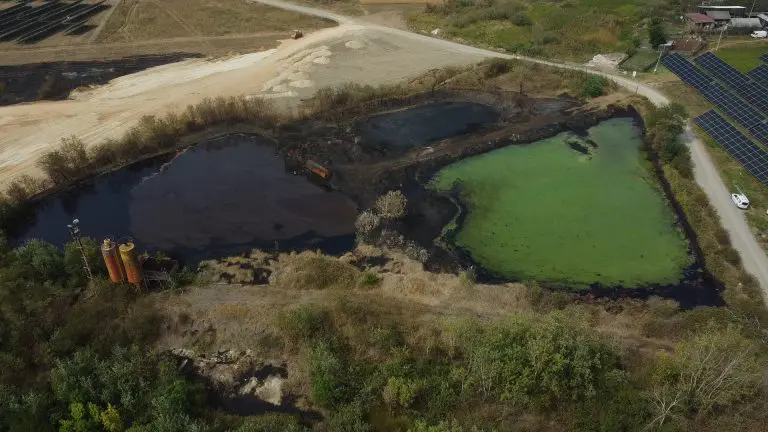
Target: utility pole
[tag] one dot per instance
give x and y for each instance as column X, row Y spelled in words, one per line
column 74, row 231
column 725, row 27
column 752, row 9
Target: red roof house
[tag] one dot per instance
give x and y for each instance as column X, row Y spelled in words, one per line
column 699, row 21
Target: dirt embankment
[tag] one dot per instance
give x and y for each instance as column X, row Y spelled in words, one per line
column 288, row 74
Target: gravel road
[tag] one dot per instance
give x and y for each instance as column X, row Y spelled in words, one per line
column 733, row 220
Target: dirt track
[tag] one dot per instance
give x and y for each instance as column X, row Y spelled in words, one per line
column 293, row 71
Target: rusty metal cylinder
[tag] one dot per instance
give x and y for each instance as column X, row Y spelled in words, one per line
column 131, row 263
column 113, row 261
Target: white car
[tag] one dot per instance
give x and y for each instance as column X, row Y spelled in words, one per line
column 740, row 200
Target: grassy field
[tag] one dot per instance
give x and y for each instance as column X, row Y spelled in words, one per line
column 578, row 31
column 141, row 20
column 546, row 212
column 743, row 57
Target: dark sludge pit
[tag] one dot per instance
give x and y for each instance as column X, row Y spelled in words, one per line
column 220, row 198
column 56, row 80
column 227, row 196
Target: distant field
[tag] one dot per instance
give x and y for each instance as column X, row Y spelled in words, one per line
column 577, row 29
column 142, row 20
column 744, row 57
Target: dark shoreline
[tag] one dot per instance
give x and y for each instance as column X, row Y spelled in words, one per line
column 697, row 287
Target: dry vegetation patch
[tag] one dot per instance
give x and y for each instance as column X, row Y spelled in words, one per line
column 141, row 20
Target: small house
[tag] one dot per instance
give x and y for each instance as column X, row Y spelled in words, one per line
column 745, row 24
column 700, row 22
column 720, row 17
column 734, row 11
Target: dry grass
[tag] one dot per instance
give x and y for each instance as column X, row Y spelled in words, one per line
column 142, row 20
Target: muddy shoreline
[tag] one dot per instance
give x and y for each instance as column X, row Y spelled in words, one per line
column 57, row 80
column 364, row 170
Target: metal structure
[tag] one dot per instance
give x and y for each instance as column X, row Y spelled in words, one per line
column 751, row 91
column 760, row 74
column 131, row 263
column 753, row 157
column 74, row 231
column 113, row 261
column 27, row 23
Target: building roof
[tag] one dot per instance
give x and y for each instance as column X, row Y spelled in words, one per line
column 722, row 7
column 719, row 15
column 745, row 23
column 699, row 18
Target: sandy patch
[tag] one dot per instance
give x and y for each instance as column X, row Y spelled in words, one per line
column 353, row 44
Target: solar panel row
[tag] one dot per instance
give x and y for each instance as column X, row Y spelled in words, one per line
column 686, row 71
column 764, row 57
column 751, row 91
column 754, row 158
column 727, row 102
column 759, row 74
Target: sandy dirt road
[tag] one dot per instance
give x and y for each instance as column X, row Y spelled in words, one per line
column 293, row 71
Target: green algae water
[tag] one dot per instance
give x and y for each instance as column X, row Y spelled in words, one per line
column 548, row 212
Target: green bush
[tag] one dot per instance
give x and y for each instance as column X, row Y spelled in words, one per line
column 332, row 384
column 40, row 261
column 305, row 323
column 594, row 87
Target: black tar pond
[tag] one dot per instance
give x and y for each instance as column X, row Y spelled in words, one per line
column 56, row 80
column 239, row 192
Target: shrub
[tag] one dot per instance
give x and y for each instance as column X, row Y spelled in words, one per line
column 392, row 205
column 369, row 279
column 331, row 384
column 310, row 270
column 40, row 260
column 538, row 362
column 594, row 86
column 366, row 223
column 662, row 308
column 305, row 323
column 496, row 67
column 73, row 261
column 715, row 368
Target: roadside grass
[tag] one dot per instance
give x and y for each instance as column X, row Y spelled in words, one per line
column 642, row 59
column 141, row 20
column 743, row 57
column 575, row 30
column 737, row 177
column 733, row 173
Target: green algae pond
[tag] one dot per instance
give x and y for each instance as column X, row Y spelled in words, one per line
column 569, row 210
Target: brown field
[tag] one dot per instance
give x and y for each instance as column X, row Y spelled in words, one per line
column 142, row 20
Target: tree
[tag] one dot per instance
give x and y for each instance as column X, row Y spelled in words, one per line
column 715, row 368
column 656, row 33
column 73, row 261
column 82, row 418
column 40, row 261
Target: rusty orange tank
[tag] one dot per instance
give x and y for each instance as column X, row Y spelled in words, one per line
column 113, row 261
column 131, row 263
column 319, row 170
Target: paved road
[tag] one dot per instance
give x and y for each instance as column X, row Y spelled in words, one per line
column 706, row 174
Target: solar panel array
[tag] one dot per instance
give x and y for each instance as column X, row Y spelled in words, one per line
column 759, row 74
column 754, row 158
column 716, row 94
column 687, row 72
column 764, row 57
column 751, row 91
